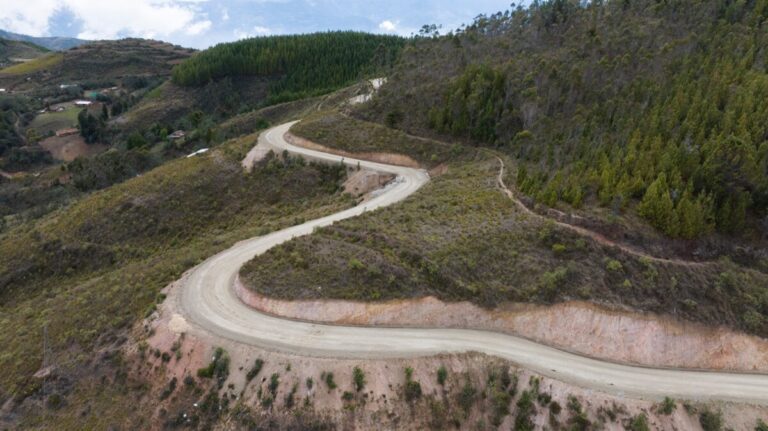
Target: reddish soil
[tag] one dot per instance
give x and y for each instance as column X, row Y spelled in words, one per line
column 580, row 327
column 364, row 181
column 381, row 404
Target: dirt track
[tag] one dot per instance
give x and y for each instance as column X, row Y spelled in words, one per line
column 588, row 233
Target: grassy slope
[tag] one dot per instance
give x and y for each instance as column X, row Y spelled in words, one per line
column 98, row 61
column 90, row 270
column 35, row 65
column 13, row 49
column 53, row 121
column 276, row 114
column 459, row 238
column 336, row 130
column 168, row 103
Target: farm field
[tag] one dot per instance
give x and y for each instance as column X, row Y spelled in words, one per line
column 53, row 121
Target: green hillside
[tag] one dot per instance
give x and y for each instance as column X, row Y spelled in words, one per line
column 12, row 51
column 642, row 107
column 304, row 65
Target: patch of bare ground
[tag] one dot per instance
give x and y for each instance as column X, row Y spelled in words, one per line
column 477, row 390
column 68, row 148
column 361, row 182
column 579, row 327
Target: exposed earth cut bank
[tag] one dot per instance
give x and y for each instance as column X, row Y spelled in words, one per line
column 576, row 326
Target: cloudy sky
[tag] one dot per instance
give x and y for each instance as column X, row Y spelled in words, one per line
column 202, row 23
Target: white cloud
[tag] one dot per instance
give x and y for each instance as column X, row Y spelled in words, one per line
column 198, row 27
column 27, row 16
column 388, row 25
column 261, row 31
column 109, row 19
column 255, row 31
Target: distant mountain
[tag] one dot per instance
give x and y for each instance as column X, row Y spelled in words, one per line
column 52, row 43
column 12, row 51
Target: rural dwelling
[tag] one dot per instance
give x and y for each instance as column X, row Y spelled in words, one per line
column 67, row 132
column 177, row 135
column 83, row 103
column 2, row 90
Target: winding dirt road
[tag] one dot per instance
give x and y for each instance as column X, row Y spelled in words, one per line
column 208, row 303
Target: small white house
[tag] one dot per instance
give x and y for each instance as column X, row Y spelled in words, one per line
column 2, row 90
column 83, row 103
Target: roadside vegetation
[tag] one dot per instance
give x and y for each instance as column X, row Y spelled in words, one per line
column 459, row 238
column 90, row 270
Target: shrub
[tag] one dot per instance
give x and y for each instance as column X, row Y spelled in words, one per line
column 255, row 369
column 578, row 420
column 274, row 382
column 267, row 402
column 355, row 264
column 347, row 396
column 558, row 248
column 467, row 396
column 525, row 410
column 219, row 367
column 614, row 265
column 442, row 375
column 290, row 397
column 711, row 421
column 359, row 378
column 412, row 388
column 555, row 408
column 54, row 401
column 667, row 406
column 500, row 400
column 168, row 389
column 761, row 426
column 329, row 381
column 550, row 281
column 639, row 423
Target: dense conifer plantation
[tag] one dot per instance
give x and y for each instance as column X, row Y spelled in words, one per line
column 305, row 65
